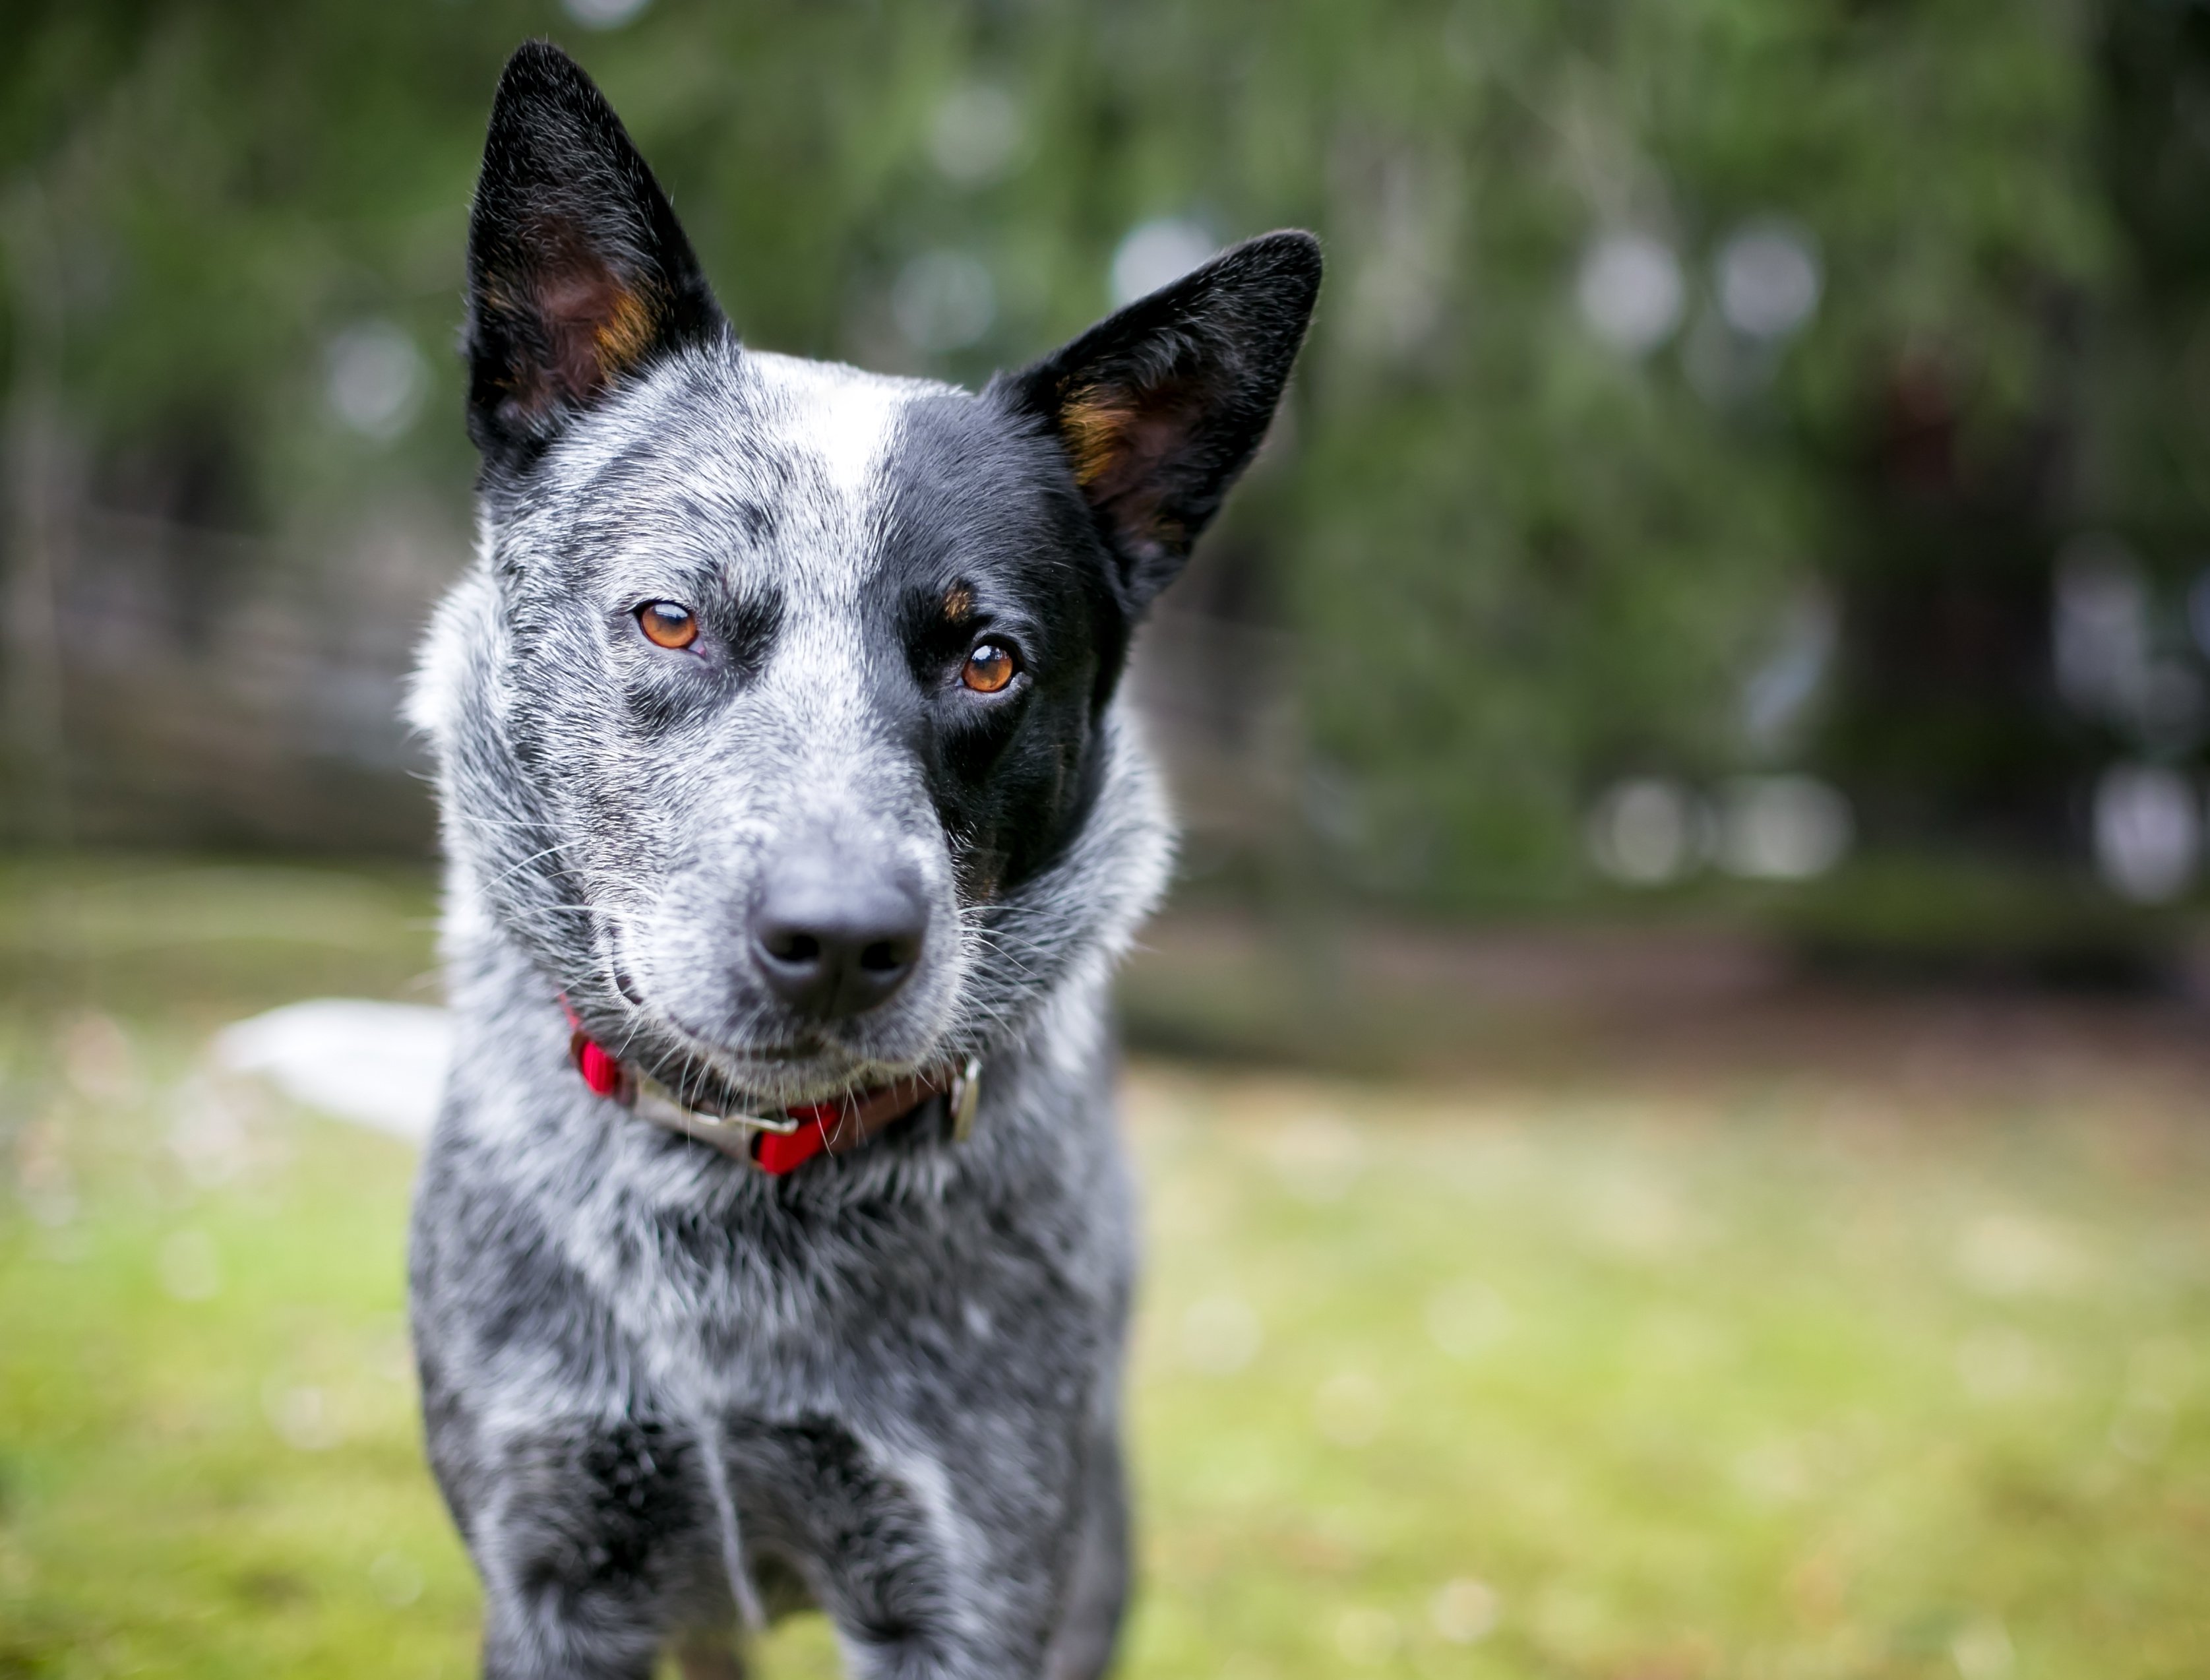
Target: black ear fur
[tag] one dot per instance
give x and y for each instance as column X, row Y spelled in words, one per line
column 578, row 272
column 1160, row 407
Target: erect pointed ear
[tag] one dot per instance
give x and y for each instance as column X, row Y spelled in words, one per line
column 578, row 272
column 1159, row 407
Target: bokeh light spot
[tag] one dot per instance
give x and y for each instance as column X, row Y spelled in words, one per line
column 1782, row 828
column 975, row 134
column 1768, row 280
column 374, row 378
column 1158, row 253
column 1630, row 291
column 604, row 14
column 943, row 300
column 1464, row 1611
column 2148, row 831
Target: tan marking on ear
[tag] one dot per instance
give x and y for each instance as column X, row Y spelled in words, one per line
column 958, row 604
column 1094, row 426
column 625, row 333
column 597, row 324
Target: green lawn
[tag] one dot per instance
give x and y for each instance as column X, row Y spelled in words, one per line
column 1759, row 1378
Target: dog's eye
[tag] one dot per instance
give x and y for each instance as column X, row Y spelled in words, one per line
column 989, row 667
column 667, row 624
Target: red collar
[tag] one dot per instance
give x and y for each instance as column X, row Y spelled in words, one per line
column 777, row 1143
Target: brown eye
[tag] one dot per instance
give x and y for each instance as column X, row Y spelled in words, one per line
column 988, row 668
column 666, row 624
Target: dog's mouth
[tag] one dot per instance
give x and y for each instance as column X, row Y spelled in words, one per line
column 787, row 1073
column 803, row 1049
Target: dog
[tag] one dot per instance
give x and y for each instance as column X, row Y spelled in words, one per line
column 773, row 1247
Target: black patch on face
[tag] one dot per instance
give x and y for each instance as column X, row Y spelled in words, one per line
column 984, row 517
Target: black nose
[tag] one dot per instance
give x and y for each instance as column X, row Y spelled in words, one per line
column 834, row 941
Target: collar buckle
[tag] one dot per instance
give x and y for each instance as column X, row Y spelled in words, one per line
column 964, row 1096
column 655, row 1102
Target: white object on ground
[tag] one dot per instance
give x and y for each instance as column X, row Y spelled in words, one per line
column 380, row 1065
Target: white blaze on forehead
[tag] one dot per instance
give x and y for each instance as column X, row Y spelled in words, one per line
column 840, row 416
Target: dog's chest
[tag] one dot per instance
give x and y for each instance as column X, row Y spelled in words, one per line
column 967, row 1282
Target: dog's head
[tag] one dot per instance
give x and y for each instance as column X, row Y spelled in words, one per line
column 775, row 722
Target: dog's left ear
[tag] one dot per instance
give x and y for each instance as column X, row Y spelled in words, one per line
column 579, row 275
column 1159, row 407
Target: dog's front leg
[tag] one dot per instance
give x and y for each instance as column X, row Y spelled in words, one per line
column 925, row 1574
column 932, row 1656
column 594, row 1546
column 1087, row 1632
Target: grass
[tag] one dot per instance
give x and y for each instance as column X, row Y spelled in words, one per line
column 1574, row 1377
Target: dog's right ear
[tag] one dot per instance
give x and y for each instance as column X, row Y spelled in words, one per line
column 579, row 275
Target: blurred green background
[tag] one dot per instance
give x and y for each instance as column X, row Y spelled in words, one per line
column 1735, row 434
column 1670, row 1092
